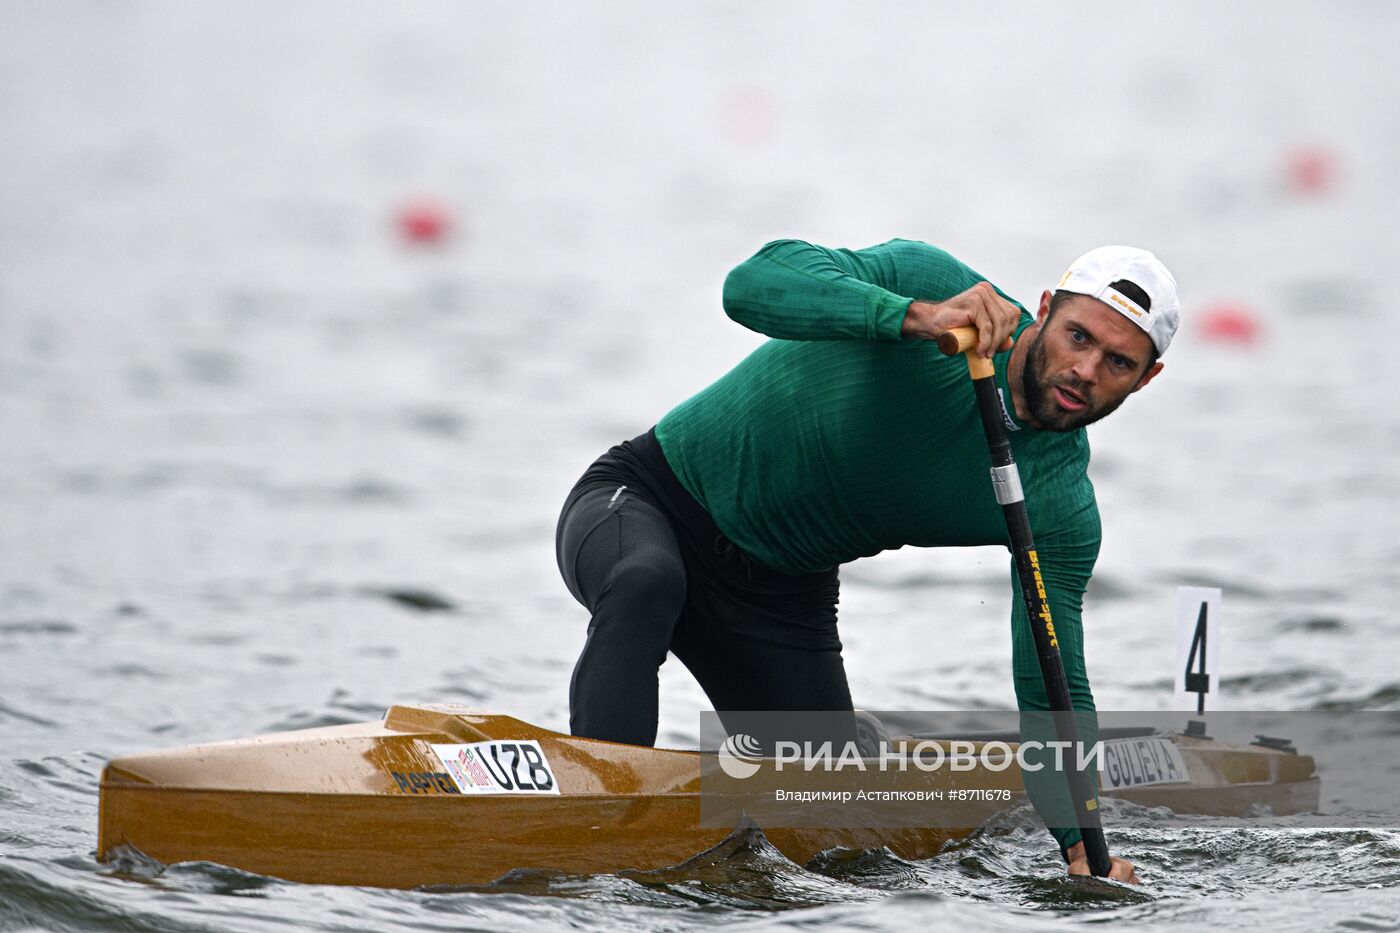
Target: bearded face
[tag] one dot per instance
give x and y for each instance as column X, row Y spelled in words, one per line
column 1084, row 361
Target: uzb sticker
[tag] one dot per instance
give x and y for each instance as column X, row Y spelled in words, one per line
column 498, row 767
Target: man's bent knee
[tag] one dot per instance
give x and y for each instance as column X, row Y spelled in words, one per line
column 650, row 580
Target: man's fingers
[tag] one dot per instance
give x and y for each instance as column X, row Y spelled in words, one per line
column 1010, row 315
column 996, row 319
column 986, row 326
column 1123, row 870
column 1013, row 316
column 1119, row 870
column 993, row 329
column 993, row 317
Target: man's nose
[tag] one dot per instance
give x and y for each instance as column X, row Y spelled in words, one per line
column 1086, row 369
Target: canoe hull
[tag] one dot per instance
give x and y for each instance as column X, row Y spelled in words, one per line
column 370, row 804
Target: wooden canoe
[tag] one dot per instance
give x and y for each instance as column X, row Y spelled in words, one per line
column 385, row 804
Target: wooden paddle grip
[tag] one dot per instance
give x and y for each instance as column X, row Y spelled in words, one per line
column 964, row 340
column 958, row 340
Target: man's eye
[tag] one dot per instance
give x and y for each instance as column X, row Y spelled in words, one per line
column 1119, row 362
column 1077, row 336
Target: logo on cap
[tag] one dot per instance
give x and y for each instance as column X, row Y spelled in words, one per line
column 1125, row 304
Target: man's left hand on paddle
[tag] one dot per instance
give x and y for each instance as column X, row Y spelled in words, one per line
column 980, row 306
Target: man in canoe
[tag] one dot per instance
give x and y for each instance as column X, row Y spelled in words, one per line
column 717, row 534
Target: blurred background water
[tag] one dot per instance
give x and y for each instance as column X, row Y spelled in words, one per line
column 280, row 450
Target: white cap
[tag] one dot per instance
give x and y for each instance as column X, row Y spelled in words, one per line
column 1095, row 272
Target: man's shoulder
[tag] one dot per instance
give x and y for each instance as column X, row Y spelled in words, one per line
column 919, row 251
column 1071, row 457
column 1063, row 491
column 919, row 269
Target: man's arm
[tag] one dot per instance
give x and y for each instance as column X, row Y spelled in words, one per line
column 794, row 290
column 1066, row 572
column 1065, row 579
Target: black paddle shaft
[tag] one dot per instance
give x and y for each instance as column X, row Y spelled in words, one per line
column 1007, row 483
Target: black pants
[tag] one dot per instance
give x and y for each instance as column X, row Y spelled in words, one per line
column 657, row 575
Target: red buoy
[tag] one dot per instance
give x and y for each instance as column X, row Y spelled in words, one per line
column 1229, row 322
column 424, row 222
column 1311, row 170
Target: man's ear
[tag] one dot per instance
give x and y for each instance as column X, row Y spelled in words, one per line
column 1044, row 311
column 1149, row 375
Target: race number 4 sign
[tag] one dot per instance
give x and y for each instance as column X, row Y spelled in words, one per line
column 1197, row 648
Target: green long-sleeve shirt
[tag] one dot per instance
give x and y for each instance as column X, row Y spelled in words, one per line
column 838, row 440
